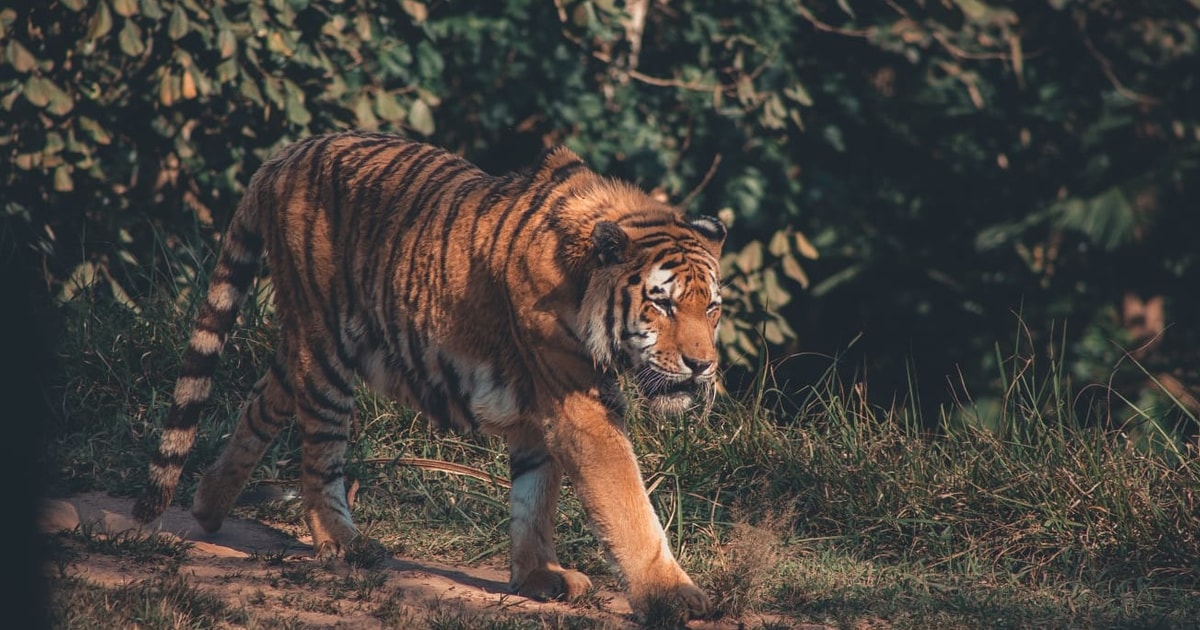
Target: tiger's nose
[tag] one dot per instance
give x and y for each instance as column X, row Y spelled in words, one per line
column 698, row 366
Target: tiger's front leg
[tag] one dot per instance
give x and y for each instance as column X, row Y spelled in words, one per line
column 536, row 479
column 599, row 459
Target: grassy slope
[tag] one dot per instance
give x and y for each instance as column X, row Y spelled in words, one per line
column 840, row 515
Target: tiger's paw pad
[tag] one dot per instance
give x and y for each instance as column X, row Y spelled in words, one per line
column 545, row 584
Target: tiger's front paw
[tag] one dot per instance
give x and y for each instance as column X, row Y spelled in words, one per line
column 361, row 551
column 546, row 583
column 672, row 606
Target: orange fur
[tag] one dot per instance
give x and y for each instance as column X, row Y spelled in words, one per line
column 502, row 304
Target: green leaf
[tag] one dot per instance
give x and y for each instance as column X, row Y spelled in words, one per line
column 364, row 26
column 798, row 94
column 805, row 247
column 387, row 107
column 772, row 332
column 21, row 59
column 250, row 91
column 131, row 39
column 583, row 15
column 779, row 245
column 297, row 113
column 364, row 114
column 125, row 8
column 274, row 94
column 151, row 9
column 416, row 10
column 227, row 71
column 420, row 118
column 750, row 259
column 100, row 24
column 75, row 5
column 793, row 270
column 178, row 25
column 168, row 90
column 62, row 179
column 36, row 91
column 776, row 295
column 226, row 43
column 7, row 101
column 278, row 43
column 97, row 133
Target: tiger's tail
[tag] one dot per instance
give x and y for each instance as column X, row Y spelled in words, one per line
column 237, row 266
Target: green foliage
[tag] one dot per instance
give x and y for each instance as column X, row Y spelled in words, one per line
column 951, row 161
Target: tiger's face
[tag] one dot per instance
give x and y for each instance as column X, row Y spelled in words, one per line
column 661, row 319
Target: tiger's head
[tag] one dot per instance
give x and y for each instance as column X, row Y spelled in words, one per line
column 654, row 302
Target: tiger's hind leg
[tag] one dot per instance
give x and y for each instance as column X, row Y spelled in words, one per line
column 269, row 407
column 536, row 479
column 324, row 409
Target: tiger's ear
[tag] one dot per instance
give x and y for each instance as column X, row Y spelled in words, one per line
column 711, row 229
column 611, row 244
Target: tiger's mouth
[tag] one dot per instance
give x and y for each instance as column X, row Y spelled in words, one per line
column 665, row 394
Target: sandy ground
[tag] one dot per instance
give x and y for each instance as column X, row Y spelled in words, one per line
column 241, row 565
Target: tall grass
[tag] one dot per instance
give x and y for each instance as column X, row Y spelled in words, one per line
column 775, row 512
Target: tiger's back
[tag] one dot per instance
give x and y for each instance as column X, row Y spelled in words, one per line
column 494, row 303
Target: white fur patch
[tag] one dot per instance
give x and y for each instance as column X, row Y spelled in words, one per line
column 491, row 401
column 205, row 342
column 664, row 279
column 223, row 296
column 189, row 389
column 526, row 491
column 177, row 441
column 238, row 253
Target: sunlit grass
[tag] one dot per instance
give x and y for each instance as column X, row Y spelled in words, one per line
column 837, row 513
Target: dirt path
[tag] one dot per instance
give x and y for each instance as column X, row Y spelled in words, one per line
column 272, row 575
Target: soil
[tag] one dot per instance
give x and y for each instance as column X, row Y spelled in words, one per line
column 241, row 565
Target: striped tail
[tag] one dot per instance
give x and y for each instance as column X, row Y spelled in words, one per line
column 237, row 265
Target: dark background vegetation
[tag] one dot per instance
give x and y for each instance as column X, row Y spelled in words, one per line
column 925, row 189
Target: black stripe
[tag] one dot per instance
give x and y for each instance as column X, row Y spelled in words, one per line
column 379, row 213
column 663, row 253
column 564, row 172
column 653, row 240
column 648, row 223
column 281, row 377
column 322, row 437
column 247, row 239
column 163, row 460
column 536, row 208
column 198, row 365
column 610, row 321
column 332, row 475
column 331, row 374
column 454, row 386
column 218, row 321
column 321, row 414
column 524, row 463
column 387, row 240
column 253, row 417
column 317, row 395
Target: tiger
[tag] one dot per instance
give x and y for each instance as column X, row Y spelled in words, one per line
column 507, row 304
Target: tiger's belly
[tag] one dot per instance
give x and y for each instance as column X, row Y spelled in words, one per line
column 456, row 392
